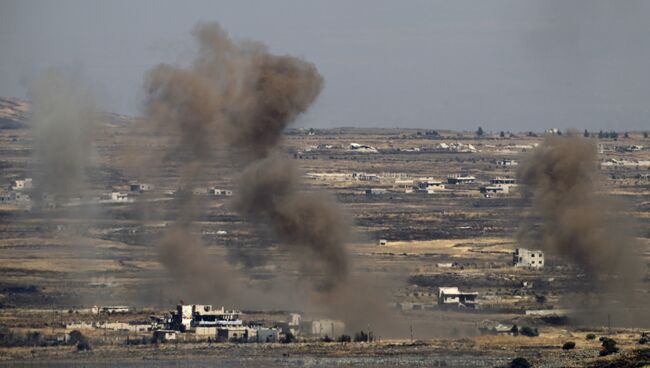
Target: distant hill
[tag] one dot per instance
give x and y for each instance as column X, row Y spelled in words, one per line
column 13, row 115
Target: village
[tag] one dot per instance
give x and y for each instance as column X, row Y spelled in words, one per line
column 436, row 221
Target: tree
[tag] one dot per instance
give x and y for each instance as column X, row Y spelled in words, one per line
column 479, row 132
column 591, row 336
column 519, row 363
column 344, row 338
column 609, row 346
column 502, row 134
column 528, row 331
column 569, row 345
column 288, row 338
column 645, row 134
column 586, row 134
column 601, row 135
column 625, row 135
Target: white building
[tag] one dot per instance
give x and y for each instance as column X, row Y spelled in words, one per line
column 22, row 184
column 361, row 176
column 429, row 185
column 452, row 296
column 189, row 316
column 405, row 186
column 219, row 192
column 141, row 187
column 528, row 258
column 507, row 162
column 119, row 197
column 460, row 179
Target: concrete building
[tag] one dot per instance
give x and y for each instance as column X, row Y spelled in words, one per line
column 405, row 186
column 429, row 185
column 21, row 184
column 327, row 327
column 141, row 187
column 190, row 316
column 528, row 258
column 164, row 335
column 493, row 189
column 237, row 333
column 505, row 162
column 266, row 334
column 460, row 179
column 375, row 191
column 451, row 296
column 361, row 176
column 219, row 192
column 110, row 309
column 119, row 197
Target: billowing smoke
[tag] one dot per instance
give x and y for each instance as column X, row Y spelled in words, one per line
column 63, row 120
column 561, row 178
column 575, row 220
column 239, row 96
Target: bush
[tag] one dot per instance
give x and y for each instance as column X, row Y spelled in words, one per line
column 591, row 336
column 569, row 345
column 75, row 336
column 644, row 339
column 84, row 346
column 529, row 331
column 519, row 363
column 344, row 338
column 609, row 346
column 326, row 339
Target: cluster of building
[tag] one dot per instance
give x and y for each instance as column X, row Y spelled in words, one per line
column 457, row 147
column 197, row 321
column 453, row 297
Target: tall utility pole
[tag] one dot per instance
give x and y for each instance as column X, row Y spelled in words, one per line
column 411, row 328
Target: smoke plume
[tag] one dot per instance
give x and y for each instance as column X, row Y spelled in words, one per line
column 239, row 96
column 561, row 179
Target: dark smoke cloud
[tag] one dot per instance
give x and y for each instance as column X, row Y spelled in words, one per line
column 561, row 179
column 238, row 95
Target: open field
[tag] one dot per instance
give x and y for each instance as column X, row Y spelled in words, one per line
column 57, row 261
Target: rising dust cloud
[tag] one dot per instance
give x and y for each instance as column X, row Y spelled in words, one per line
column 562, row 181
column 239, row 96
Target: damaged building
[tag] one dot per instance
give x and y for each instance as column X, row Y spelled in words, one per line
column 528, row 258
column 453, row 297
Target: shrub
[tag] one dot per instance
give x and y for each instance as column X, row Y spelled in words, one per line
column 519, row 363
column 645, row 338
column 84, row 346
column 609, row 346
column 344, row 338
column 75, row 336
column 326, row 339
column 529, row 331
column 569, row 345
column 591, row 336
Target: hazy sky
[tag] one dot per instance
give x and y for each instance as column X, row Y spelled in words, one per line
column 505, row 65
